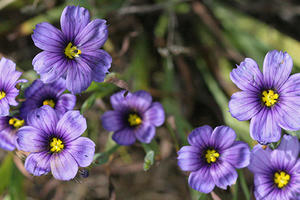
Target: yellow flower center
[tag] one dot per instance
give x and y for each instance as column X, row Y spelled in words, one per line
column 17, row 123
column 281, row 179
column 134, row 120
column 269, row 98
column 72, row 51
column 2, row 94
column 211, row 156
column 49, row 102
column 56, row 145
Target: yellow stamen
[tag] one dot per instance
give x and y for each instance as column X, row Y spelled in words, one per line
column 211, row 156
column 281, row 179
column 269, row 98
column 17, row 123
column 134, row 120
column 72, row 51
column 2, row 94
column 49, row 102
column 56, row 145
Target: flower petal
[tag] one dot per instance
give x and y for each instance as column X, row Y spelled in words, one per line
column 140, row 100
column 93, row 36
column 73, row 20
column 99, row 61
column 290, row 146
column 44, row 119
column 244, row 105
column 117, row 100
column 4, row 107
column 155, row 114
column 189, row 159
column 63, row 166
column 7, row 139
column 44, row 61
column 112, row 120
column 65, row 102
column 71, row 125
column 56, row 70
column 277, row 68
column 200, row 136
column 264, row 126
column 79, row 77
column 38, row 163
column 48, row 38
column 145, row 133
column 124, row 137
column 264, row 186
column 260, row 160
column 223, row 174
column 238, row 155
column 247, row 75
column 289, row 113
column 222, row 137
column 83, row 150
column 31, row 139
column 201, row 180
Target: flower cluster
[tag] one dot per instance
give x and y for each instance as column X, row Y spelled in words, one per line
column 45, row 126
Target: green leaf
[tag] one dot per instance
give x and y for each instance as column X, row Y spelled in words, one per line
column 149, row 160
column 6, row 169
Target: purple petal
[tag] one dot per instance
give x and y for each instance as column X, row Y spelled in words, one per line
column 112, row 120
column 223, row 174
column 100, row 62
column 44, row 61
column 31, row 139
column 291, row 87
column 73, row 20
column 264, row 186
column 65, row 102
column 38, row 163
column 280, row 161
column 4, row 107
column 93, row 36
column 155, row 114
column 189, row 158
column 48, row 38
column 289, row 113
column 44, row 118
column 200, row 136
column 79, row 77
column 63, row 166
column 8, row 139
column 145, row 133
column 56, row 70
column 260, row 160
column 264, row 126
column 277, row 68
column 117, row 100
column 226, row 134
column 124, row 137
column 7, row 66
column 140, row 100
column 238, row 155
column 247, row 75
column 201, row 180
column 71, row 125
column 83, row 150
column 244, row 105
column 290, row 146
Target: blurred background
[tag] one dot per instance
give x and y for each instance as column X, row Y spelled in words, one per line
column 182, row 52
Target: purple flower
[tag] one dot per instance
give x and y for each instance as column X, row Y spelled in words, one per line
column 39, row 94
column 277, row 172
column 135, row 116
column 8, row 131
column 213, row 157
column 8, row 80
column 73, row 52
column 270, row 99
column 55, row 144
